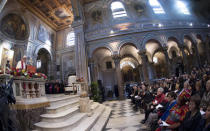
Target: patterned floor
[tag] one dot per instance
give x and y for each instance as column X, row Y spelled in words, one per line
column 123, row 117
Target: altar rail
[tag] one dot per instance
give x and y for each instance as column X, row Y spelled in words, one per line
column 29, row 88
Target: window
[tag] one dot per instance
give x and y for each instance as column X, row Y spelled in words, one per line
column 38, row 64
column 108, row 65
column 156, row 7
column 182, row 8
column 70, row 40
column 118, row 10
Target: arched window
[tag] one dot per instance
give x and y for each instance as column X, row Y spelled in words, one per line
column 156, row 7
column 118, row 10
column 182, row 8
column 70, row 40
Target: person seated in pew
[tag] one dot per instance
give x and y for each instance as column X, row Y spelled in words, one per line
column 176, row 115
column 193, row 116
column 204, row 124
column 151, row 106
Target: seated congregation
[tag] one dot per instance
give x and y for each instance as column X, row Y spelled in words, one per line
column 177, row 104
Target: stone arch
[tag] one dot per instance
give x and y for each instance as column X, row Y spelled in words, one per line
column 129, row 49
column 151, row 37
column 173, row 45
column 152, row 46
column 46, row 62
column 94, row 48
column 190, row 46
column 129, row 69
column 128, row 41
column 160, row 64
column 43, row 47
column 189, row 43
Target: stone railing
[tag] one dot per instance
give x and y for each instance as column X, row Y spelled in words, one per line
column 28, row 88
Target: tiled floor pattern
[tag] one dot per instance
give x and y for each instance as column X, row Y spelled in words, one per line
column 123, row 117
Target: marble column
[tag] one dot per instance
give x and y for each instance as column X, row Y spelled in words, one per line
column 152, row 66
column 185, row 60
column 117, row 59
column 80, row 52
column 167, row 60
column 207, row 50
column 198, row 60
column 92, row 71
column 2, row 4
column 141, row 72
column 143, row 55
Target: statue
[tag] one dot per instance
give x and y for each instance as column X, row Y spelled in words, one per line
column 6, row 98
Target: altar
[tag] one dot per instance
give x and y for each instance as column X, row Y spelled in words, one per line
column 30, row 99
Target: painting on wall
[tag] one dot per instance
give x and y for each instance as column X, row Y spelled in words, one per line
column 44, row 35
column 14, row 27
column 7, row 55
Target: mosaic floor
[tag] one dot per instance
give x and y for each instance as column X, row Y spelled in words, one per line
column 123, row 117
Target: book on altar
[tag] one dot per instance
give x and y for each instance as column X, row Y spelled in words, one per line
column 31, row 68
column 164, row 124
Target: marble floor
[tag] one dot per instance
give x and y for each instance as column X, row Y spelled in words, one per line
column 123, row 117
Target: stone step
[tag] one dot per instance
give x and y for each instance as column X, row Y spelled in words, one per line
column 54, row 100
column 89, row 122
column 60, row 116
column 62, row 106
column 94, row 106
column 102, row 121
column 62, row 126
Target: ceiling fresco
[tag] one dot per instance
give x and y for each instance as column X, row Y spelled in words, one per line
column 57, row 14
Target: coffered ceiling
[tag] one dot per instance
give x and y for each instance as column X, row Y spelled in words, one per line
column 58, row 14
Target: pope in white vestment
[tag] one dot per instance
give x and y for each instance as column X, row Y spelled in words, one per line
column 22, row 63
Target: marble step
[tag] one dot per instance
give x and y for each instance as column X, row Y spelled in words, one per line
column 66, row 125
column 102, row 121
column 61, row 99
column 60, row 116
column 62, row 106
column 94, row 106
column 89, row 122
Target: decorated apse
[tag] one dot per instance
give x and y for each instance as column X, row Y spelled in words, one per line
column 148, row 39
column 23, row 33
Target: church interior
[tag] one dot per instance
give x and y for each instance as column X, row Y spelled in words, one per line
column 104, row 65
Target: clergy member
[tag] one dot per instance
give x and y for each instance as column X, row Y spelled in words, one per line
column 22, row 63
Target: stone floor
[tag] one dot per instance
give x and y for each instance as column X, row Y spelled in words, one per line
column 123, row 117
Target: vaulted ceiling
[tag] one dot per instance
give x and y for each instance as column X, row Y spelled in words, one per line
column 58, row 14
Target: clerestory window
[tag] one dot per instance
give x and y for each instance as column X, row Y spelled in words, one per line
column 156, row 7
column 118, row 10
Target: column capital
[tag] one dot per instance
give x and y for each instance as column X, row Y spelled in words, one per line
column 165, row 48
column 140, row 66
column 181, row 46
column 116, row 57
column 142, row 52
